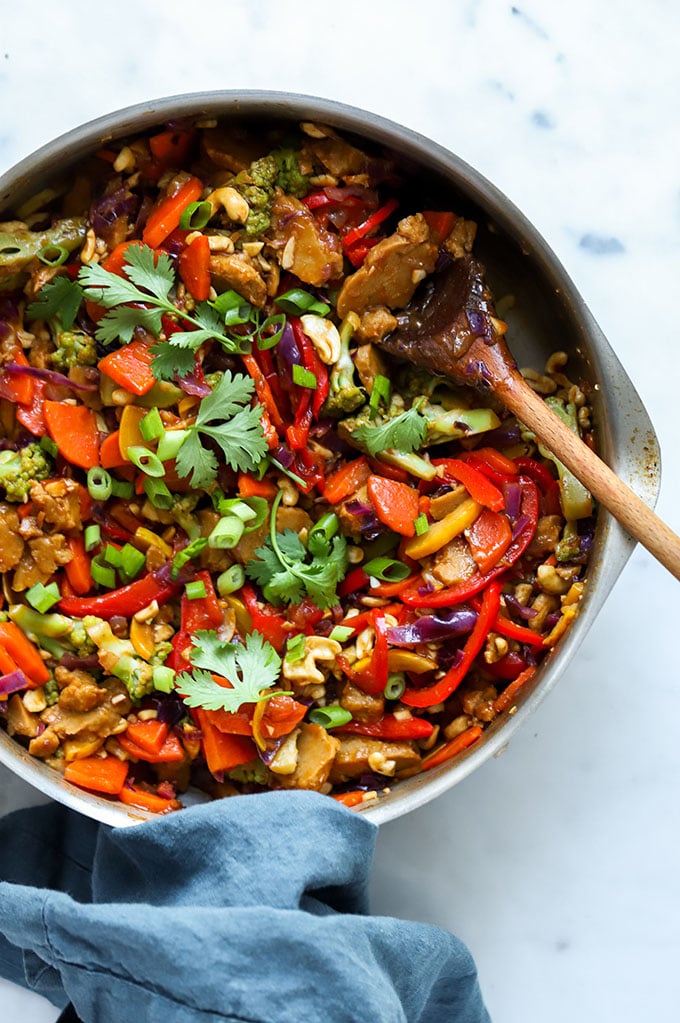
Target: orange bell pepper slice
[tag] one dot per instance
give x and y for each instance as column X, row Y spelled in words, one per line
column 130, row 367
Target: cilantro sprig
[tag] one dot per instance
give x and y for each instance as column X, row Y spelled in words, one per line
column 226, row 417
column 60, row 298
column 405, row 432
column 250, row 668
column 283, row 569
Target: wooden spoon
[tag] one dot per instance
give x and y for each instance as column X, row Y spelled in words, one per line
column 450, row 328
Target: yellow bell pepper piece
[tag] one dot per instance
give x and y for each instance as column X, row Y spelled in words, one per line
column 409, row 660
column 129, row 434
column 440, row 533
column 141, row 637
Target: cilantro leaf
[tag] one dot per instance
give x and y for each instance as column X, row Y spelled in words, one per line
column 282, row 569
column 119, row 324
column 406, row 432
column 226, row 418
column 170, row 362
column 152, row 271
column 249, row 667
column 60, row 297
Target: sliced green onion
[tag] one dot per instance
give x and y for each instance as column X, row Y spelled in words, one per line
column 227, row 533
column 99, row 484
column 103, row 574
column 158, row 493
column 151, row 426
column 278, row 321
column 122, row 488
column 340, row 633
column 92, row 536
column 112, row 555
column 195, row 216
column 304, row 377
column 295, row 647
column 260, row 506
column 235, row 506
column 146, row 460
column 396, row 684
column 231, row 580
column 163, row 678
column 387, row 570
column 195, row 590
column 298, row 301
column 330, row 717
column 421, row 524
column 381, row 391
column 48, row 445
column 233, row 308
column 187, row 553
column 170, row 443
column 132, row 562
column 321, row 534
column 42, row 597
column 53, row 255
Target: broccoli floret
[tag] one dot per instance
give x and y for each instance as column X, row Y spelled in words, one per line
column 74, row 348
column 161, row 653
column 19, row 470
column 290, row 178
column 56, row 633
column 51, row 692
column 182, row 511
column 252, row 773
column 344, row 394
column 117, row 657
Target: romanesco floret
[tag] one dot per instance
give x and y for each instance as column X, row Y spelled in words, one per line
column 54, row 632
column 256, row 185
column 290, row 177
column 19, row 470
column 51, row 692
column 74, row 348
column 117, row 657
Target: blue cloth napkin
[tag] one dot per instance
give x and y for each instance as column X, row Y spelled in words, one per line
column 249, row 909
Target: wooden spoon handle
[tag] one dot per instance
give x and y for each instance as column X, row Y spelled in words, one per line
column 630, row 510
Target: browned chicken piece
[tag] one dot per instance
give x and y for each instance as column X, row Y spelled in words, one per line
column 453, row 563
column 369, row 363
column 58, row 503
column 392, row 270
column 359, row 755
column 84, row 730
column 303, row 246
column 293, row 518
column 237, row 272
column 11, row 541
column 478, row 703
column 447, row 502
column 316, row 751
column 338, row 157
column 351, row 519
column 81, row 696
column 362, row 706
column 45, row 554
column 19, row 720
column 376, row 324
column 461, row 239
column 548, row 529
column 232, row 148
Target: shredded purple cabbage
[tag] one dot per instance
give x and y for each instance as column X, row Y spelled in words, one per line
column 430, row 628
column 50, row 375
column 13, row 682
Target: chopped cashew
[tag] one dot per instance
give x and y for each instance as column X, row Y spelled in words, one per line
column 317, row 648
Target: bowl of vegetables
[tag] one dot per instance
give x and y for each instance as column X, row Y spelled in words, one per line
column 243, row 546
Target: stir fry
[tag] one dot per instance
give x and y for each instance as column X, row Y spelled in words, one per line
column 242, row 547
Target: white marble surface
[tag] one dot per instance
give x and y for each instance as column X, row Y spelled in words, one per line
column 558, row 862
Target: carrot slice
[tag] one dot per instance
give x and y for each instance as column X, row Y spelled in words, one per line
column 452, row 748
column 142, row 800
column 248, row 486
column 130, row 367
column 109, row 452
column 349, row 798
column 149, row 735
column 24, row 653
column 166, row 216
column 99, row 774
column 508, row 695
column 73, row 428
column 396, row 504
column 78, row 568
column 346, row 480
column 170, row 752
column 223, row 751
column 488, row 538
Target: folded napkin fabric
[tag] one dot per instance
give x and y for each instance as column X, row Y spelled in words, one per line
column 252, row 909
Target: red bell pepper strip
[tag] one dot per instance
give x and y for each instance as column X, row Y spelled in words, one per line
column 194, row 267
column 548, row 485
column 203, row 612
column 506, row 627
column 367, row 226
column 440, row 223
column 165, row 217
column 276, row 717
column 263, row 391
column 390, row 727
column 127, row 600
column 32, row 417
column 442, row 689
column 266, row 619
column 416, row 595
column 130, row 367
column 172, row 148
column 373, row 679
column 507, row 667
column 353, row 581
column 488, row 538
column 508, row 695
column 18, row 388
column 357, row 252
column 479, row 487
column 452, row 748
